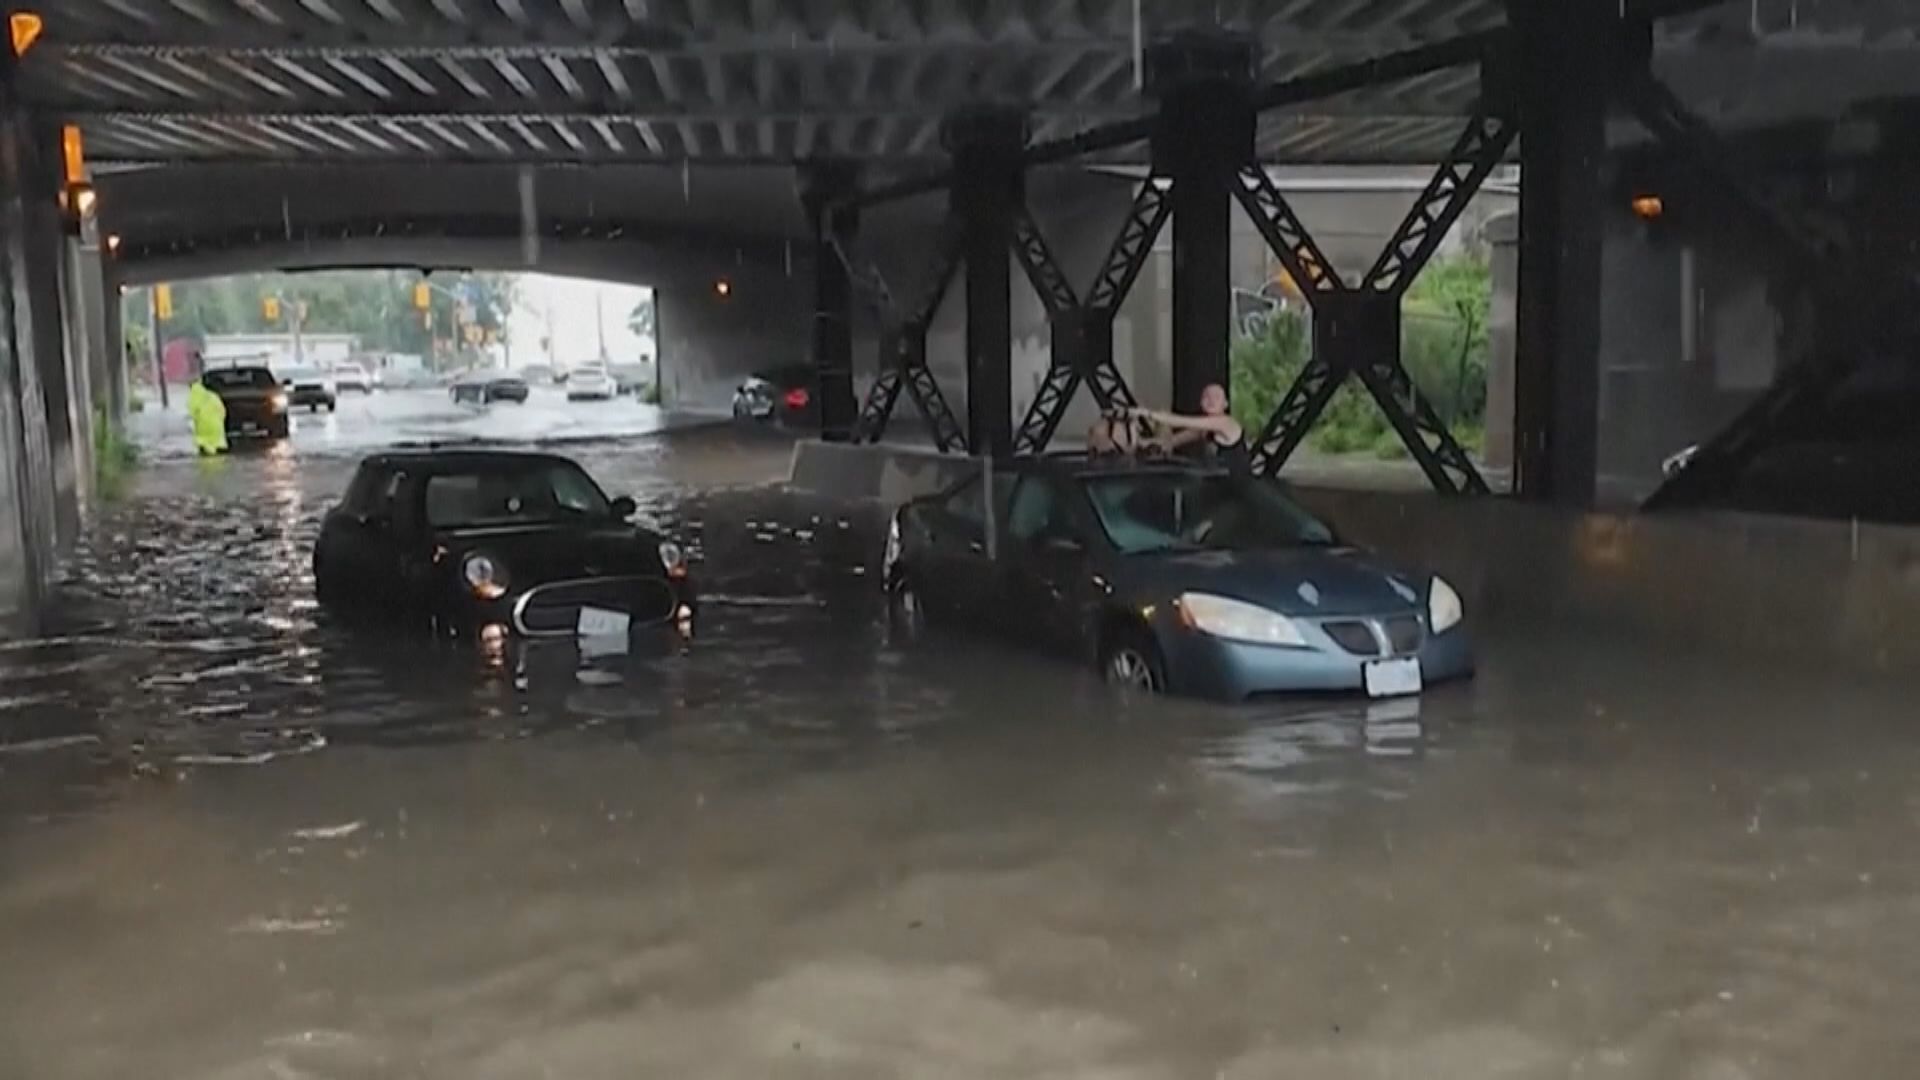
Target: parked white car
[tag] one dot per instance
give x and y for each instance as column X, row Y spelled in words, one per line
column 352, row 377
column 591, row 384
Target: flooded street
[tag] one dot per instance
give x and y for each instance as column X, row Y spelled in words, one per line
column 239, row 841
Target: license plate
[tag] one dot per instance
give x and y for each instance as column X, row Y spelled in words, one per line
column 599, row 622
column 1392, row 678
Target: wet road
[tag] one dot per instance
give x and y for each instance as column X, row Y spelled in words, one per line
column 238, row 842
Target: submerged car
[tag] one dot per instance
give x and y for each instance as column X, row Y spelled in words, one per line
column 310, row 388
column 255, row 401
column 1172, row 577
column 483, row 389
column 591, row 384
column 495, row 542
column 782, row 395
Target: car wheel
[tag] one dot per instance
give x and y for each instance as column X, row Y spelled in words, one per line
column 906, row 612
column 331, row 405
column 1131, row 661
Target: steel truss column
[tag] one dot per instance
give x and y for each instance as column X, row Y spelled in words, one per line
column 1082, row 332
column 1356, row 329
column 903, row 347
column 1203, row 136
column 834, row 225
column 1562, row 66
column 986, row 145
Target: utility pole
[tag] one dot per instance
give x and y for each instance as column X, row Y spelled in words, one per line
column 600, row 320
column 159, row 350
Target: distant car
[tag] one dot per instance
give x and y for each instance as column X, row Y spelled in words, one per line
column 1173, row 577
column 526, row 544
column 537, row 375
column 591, row 384
column 630, row 378
column 352, row 377
column 484, row 389
column 310, row 388
column 255, row 401
column 781, row 395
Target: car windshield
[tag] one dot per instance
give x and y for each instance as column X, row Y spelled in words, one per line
column 299, row 374
column 1189, row 511
column 238, row 379
column 508, row 493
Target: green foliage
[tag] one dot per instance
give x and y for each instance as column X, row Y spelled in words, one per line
column 1444, row 345
column 650, row 393
column 115, row 457
column 374, row 305
column 640, row 319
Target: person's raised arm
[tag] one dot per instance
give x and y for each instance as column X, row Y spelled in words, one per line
column 1218, row 425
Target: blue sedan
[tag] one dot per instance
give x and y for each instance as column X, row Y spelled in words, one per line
column 1172, row 577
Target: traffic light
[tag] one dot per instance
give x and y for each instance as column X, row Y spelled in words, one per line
column 422, row 296
column 163, row 301
column 270, row 307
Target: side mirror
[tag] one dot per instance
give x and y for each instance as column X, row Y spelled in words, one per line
column 624, row 507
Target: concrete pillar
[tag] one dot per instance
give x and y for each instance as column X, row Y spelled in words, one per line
column 27, row 486
column 1202, row 82
column 821, row 183
column 986, row 145
column 1565, row 67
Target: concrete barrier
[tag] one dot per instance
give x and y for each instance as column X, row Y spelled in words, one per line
column 1808, row 590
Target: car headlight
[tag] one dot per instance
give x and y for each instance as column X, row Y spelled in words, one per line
column 1237, row 620
column 487, row 578
column 672, row 559
column 1444, row 609
column 890, row 557
column 278, row 403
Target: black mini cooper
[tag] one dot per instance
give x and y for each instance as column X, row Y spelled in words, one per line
column 495, row 542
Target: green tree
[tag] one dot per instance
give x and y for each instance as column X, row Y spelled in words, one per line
column 1444, row 345
column 640, row 319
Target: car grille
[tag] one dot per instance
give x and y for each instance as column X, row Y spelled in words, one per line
column 1404, row 634
column 1354, row 636
column 554, row 609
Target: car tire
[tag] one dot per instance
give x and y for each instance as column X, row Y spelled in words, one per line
column 332, row 404
column 906, row 611
column 1131, row 660
column 281, row 430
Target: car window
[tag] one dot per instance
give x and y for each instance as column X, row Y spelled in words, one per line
column 1184, row 511
column 516, row 494
column 964, row 503
column 366, row 490
column 1037, row 509
column 237, row 379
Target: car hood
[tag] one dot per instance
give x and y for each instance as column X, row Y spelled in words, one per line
column 534, row 554
column 1312, row 582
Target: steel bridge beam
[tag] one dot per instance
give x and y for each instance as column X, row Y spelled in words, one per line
column 832, row 226
column 903, row 343
column 1082, row 331
column 1356, row 329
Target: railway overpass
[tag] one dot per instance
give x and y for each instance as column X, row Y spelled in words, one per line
column 841, row 161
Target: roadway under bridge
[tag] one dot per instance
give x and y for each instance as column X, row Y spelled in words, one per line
column 1665, row 831
column 995, row 216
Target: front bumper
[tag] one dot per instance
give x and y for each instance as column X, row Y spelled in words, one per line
column 1205, row 666
column 551, row 610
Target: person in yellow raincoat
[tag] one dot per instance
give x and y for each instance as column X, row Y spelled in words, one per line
column 208, row 415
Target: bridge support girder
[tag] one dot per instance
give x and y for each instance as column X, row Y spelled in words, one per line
column 834, row 223
column 988, row 190
column 1203, row 136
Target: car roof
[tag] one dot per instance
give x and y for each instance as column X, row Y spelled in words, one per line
column 432, row 457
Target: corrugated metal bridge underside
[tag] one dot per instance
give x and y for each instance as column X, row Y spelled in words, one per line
column 772, row 81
